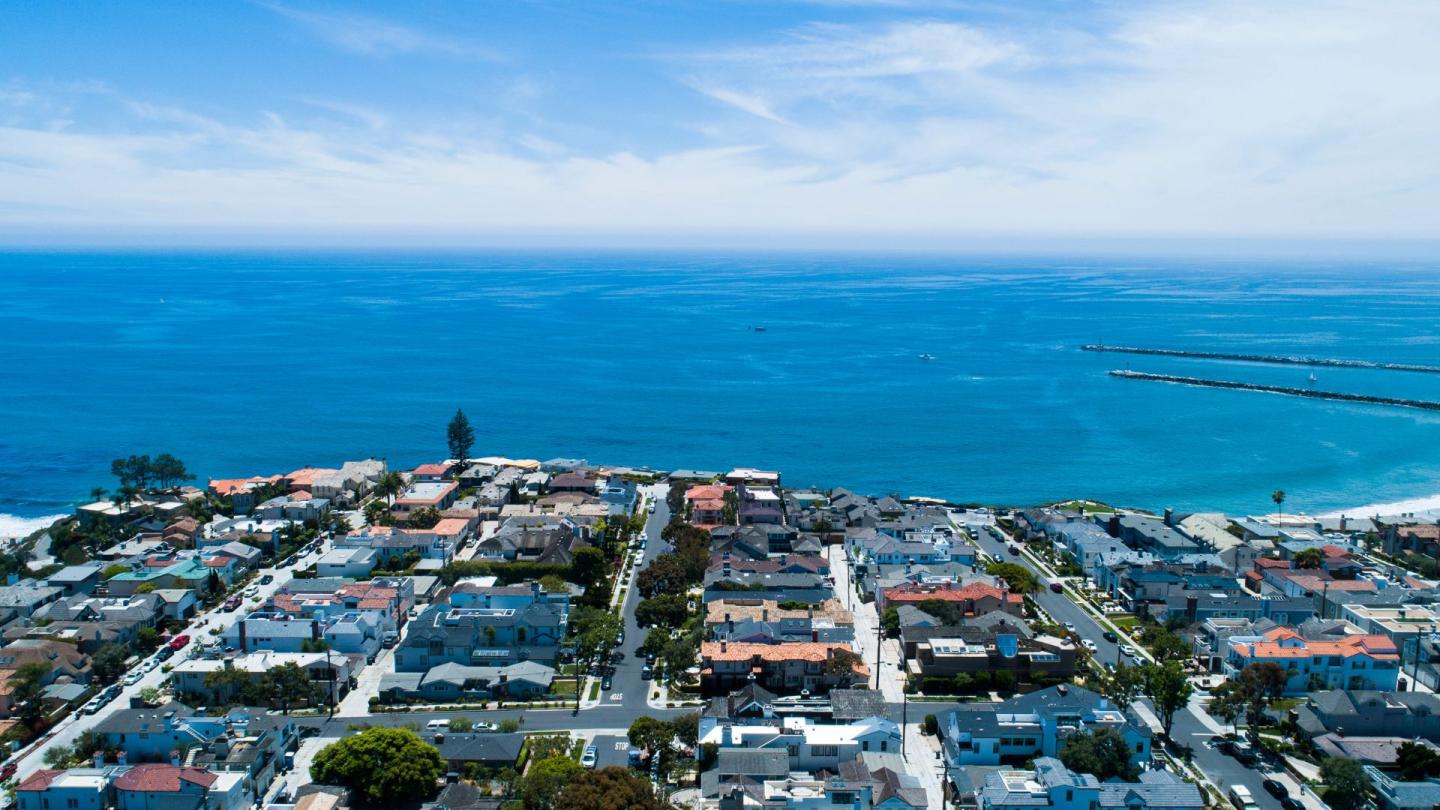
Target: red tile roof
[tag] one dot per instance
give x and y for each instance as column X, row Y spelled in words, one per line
column 973, row 591
column 431, row 469
column 39, row 780
column 230, row 486
column 161, row 778
column 1376, row 646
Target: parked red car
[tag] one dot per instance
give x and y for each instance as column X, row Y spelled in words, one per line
column 179, row 641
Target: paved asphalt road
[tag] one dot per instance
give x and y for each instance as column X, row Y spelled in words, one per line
column 1223, row 770
column 532, row 719
column 69, row 729
column 627, row 688
column 1058, row 605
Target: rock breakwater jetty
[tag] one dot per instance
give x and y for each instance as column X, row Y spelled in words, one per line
column 1337, row 396
column 1272, row 359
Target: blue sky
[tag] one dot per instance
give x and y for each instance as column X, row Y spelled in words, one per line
column 742, row 123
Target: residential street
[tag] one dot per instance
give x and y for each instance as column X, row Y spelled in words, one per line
column 68, row 730
column 628, row 689
column 1058, row 605
column 919, row 752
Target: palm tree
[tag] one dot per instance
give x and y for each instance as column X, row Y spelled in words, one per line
column 390, row 485
column 124, row 495
column 1278, row 496
column 97, row 493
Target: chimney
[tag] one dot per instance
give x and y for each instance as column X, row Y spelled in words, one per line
column 724, row 645
column 1113, row 527
column 99, row 759
column 174, row 758
column 120, row 758
column 170, row 721
column 764, row 614
column 1169, row 516
column 1063, row 689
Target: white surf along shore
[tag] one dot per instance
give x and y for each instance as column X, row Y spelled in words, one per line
column 13, row 527
column 1419, row 508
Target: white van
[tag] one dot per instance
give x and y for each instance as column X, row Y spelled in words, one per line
column 1242, row 799
column 438, row 725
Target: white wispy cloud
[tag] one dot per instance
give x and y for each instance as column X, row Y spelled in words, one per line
column 753, row 105
column 908, row 48
column 1226, row 118
column 373, row 36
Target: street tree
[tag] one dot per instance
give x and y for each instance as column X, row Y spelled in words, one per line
column 108, row 663
column 650, row 734
column 678, row 655
column 1018, row 577
column 1169, row 689
column 382, row 766
column 1248, row 694
column 460, row 437
column 1123, row 684
column 665, row 610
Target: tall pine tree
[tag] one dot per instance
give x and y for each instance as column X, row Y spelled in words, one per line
column 460, row 436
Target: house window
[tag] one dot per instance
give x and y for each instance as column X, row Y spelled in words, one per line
column 865, row 745
column 825, row 750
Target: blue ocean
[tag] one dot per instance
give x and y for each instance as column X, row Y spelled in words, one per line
column 246, row 363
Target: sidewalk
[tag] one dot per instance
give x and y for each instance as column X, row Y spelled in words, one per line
column 357, row 702
column 866, row 623
column 921, row 763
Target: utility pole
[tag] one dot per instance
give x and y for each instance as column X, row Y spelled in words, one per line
column 331, row 669
column 904, row 718
column 879, row 627
column 945, row 782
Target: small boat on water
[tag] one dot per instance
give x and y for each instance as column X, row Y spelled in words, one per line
column 758, row 328
column 926, row 356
